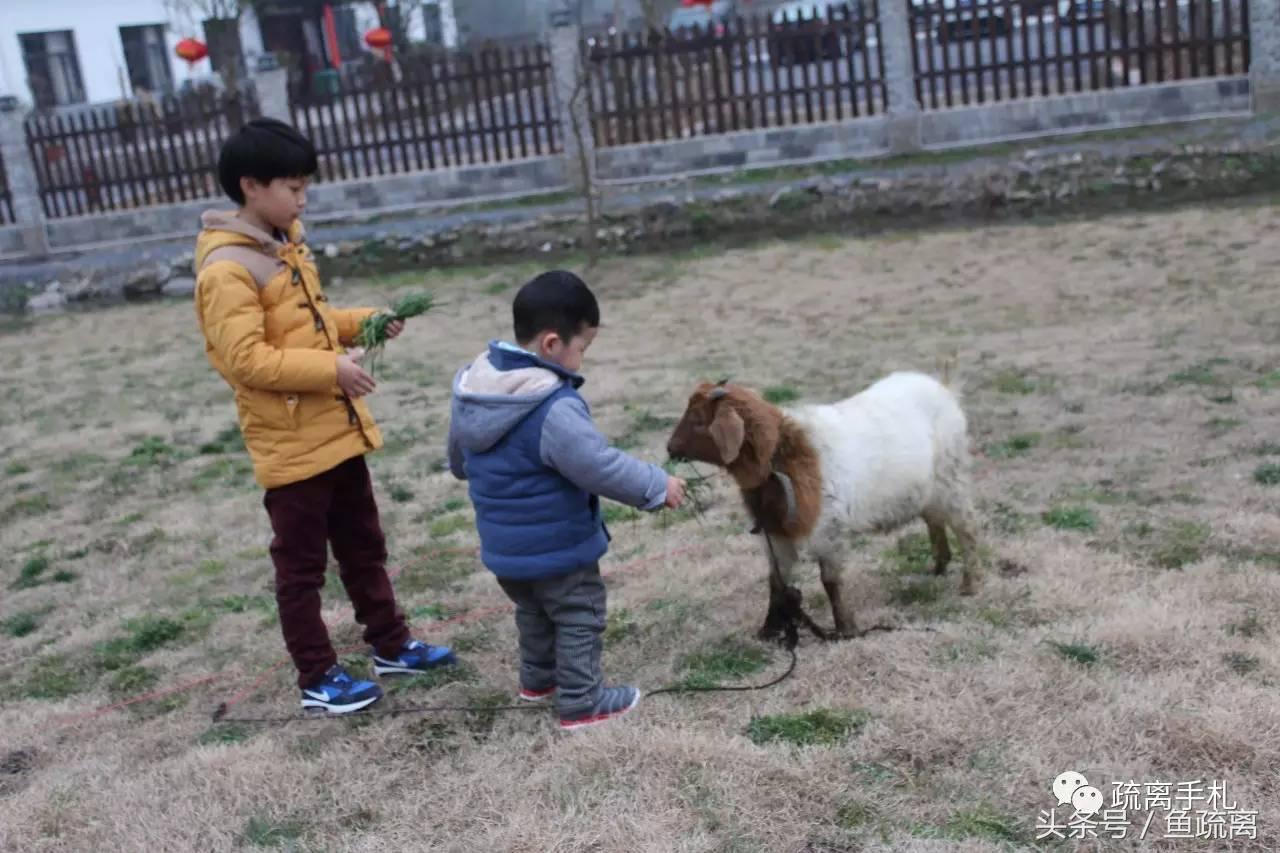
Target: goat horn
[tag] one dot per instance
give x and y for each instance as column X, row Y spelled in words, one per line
column 723, row 382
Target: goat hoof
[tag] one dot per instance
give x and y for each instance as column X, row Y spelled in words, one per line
column 967, row 589
column 939, row 569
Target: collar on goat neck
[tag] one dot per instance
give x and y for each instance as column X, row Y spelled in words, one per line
column 784, row 494
column 789, row 494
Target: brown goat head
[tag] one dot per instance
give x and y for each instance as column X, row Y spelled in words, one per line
column 731, row 427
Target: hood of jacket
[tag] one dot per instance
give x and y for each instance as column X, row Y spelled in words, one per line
column 498, row 390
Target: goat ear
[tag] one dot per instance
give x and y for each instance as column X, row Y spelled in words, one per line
column 729, row 432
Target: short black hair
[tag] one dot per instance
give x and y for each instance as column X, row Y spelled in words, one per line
column 264, row 149
column 556, row 301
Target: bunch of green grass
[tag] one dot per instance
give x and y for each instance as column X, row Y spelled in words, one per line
column 372, row 337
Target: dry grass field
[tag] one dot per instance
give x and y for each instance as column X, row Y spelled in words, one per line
column 1122, row 378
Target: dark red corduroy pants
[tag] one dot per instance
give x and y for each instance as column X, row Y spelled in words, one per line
column 334, row 508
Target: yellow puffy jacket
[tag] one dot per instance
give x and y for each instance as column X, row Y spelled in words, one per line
column 271, row 333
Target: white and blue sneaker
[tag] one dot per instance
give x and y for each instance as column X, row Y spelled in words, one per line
column 414, row 659
column 338, row 693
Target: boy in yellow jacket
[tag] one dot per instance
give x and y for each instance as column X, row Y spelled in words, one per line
column 273, row 336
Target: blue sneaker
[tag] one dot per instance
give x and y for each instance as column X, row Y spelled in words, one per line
column 339, row 693
column 614, row 702
column 414, row 659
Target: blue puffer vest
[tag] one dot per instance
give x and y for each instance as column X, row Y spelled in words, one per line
column 533, row 522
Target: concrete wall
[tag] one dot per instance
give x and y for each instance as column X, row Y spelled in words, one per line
column 330, row 201
column 834, row 141
column 1114, row 108
column 868, row 137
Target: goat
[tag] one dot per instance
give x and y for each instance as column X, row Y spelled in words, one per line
column 813, row 475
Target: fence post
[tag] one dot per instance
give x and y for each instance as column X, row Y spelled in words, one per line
column 568, row 72
column 273, row 93
column 24, row 189
column 903, row 109
column 1264, row 55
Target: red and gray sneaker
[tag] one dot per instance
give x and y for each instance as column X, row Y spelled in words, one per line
column 528, row 694
column 614, row 702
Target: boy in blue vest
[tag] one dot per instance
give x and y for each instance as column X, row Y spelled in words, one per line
column 535, row 463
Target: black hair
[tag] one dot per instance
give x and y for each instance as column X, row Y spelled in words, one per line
column 264, row 149
column 555, row 301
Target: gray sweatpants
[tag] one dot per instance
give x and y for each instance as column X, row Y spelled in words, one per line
column 561, row 622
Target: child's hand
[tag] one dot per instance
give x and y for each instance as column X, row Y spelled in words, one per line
column 675, row 492
column 394, row 328
column 352, row 378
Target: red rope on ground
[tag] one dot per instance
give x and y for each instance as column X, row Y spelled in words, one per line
column 458, row 619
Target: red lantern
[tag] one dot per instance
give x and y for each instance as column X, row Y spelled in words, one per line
column 689, row 3
column 192, row 50
column 378, row 38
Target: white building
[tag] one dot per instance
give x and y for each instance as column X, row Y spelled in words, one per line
column 66, row 52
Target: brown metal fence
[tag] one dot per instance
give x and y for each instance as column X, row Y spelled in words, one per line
column 747, row 73
column 123, row 156
column 6, row 198
column 995, row 50
column 490, row 106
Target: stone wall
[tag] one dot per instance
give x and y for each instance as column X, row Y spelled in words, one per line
column 1014, row 189
column 324, row 202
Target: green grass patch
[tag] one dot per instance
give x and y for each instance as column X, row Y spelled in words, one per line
column 144, row 635
column 451, row 505
column 16, row 469
column 438, row 677
column 823, row 727
column 1180, row 545
column 29, row 507
column 918, row 592
column 1071, row 518
column 55, row 678
column 983, row 823
column 448, row 525
column 1014, row 445
column 32, row 572
column 154, row 450
column 228, row 440
column 1240, row 663
column 730, row 659
column 619, row 625
column 856, row 814
column 401, row 494
column 1080, row 653
column 911, row 554
column 617, row 513
column 441, row 572
column 131, row 681
column 225, row 734
column 1202, row 374
column 265, row 832
column 781, row 394
column 21, row 624
column 1267, row 474
column 233, row 471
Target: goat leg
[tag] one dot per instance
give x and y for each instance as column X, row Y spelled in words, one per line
column 796, row 611
column 777, row 620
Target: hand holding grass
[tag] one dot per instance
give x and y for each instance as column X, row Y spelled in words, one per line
column 383, row 326
column 675, row 492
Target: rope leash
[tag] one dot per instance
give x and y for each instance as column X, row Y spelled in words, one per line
column 220, row 717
